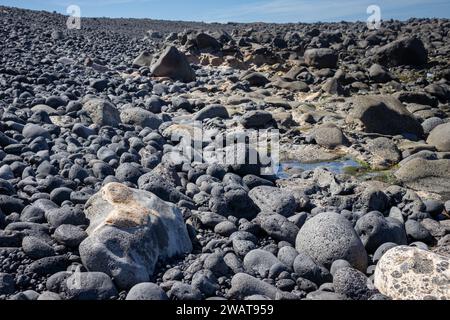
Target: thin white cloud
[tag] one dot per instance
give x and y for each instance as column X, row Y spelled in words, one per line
column 259, row 10
column 92, row 3
column 311, row 10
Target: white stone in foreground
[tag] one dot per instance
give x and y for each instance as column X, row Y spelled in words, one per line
column 129, row 231
column 407, row 273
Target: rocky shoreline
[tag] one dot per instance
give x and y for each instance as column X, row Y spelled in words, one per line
column 99, row 199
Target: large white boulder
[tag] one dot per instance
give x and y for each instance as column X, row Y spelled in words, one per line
column 129, row 231
column 407, row 273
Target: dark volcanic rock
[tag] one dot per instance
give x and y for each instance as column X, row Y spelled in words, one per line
column 385, row 115
column 173, row 64
column 321, row 58
column 374, row 230
column 109, row 192
column 404, row 51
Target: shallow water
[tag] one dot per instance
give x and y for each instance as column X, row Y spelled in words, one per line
column 289, row 168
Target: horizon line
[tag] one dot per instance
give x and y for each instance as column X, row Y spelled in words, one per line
column 222, row 23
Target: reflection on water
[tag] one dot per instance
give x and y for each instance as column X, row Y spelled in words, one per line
column 290, row 168
column 347, row 166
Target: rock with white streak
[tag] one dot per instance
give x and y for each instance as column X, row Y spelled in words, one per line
column 129, row 231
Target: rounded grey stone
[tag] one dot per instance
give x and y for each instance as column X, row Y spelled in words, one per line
column 328, row 237
column 146, row 291
column 89, row 286
column 352, row 283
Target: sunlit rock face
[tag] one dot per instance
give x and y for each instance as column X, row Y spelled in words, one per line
column 129, row 231
column 406, row 273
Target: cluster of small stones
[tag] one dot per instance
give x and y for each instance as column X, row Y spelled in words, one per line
column 97, row 202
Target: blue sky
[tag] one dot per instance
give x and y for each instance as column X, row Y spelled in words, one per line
column 245, row 10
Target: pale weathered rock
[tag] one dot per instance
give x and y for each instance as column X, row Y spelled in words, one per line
column 207, row 59
column 404, row 51
column 102, row 112
column 406, row 273
column 129, row 231
column 143, row 60
column 426, row 175
column 440, row 137
column 384, row 153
